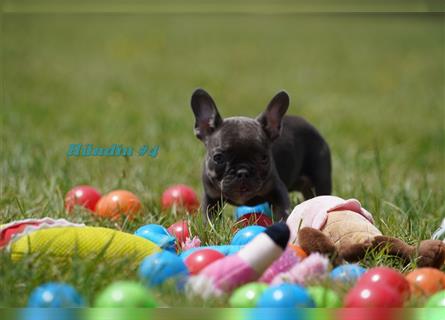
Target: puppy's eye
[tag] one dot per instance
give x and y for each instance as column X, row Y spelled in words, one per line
column 218, row 158
column 264, row 158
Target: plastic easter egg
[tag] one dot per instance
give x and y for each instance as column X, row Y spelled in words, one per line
column 251, row 219
column 285, row 296
column 386, row 276
column 125, row 294
column 347, row 273
column 286, row 261
column 274, row 314
column 180, row 231
column 245, row 235
column 180, row 197
column 373, row 295
column 426, row 281
column 224, row 249
column 158, row 235
column 85, row 196
column 261, row 209
column 375, row 314
column 55, row 295
column 297, row 250
column 429, row 313
column 116, row 313
column 247, row 295
column 117, row 203
column 47, row 314
column 201, row 259
column 159, row 267
column 437, row 300
column 324, row 297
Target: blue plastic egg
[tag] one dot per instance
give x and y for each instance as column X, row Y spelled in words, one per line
column 158, row 235
column 55, row 295
column 285, row 295
column 161, row 266
column 347, row 273
column 49, row 314
column 245, row 235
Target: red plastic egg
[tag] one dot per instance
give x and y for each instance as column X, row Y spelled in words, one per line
column 368, row 314
column 386, row 276
column 117, row 203
column 426, row 281
column 180, row 231
column 250, row 219
column 373, row 295
column 180, row 197
column 199, row 259
column 84, row 196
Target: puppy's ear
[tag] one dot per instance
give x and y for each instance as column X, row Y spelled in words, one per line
column 207, row 118
column 272, row 117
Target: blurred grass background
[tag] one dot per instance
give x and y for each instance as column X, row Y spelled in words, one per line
column 373, row 84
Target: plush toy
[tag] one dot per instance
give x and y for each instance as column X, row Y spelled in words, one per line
column 343, row 229
column 314, row 267
column 65, row 239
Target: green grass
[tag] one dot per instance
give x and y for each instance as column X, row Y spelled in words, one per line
column 372, row 84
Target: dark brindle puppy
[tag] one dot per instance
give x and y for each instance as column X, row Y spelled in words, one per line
column 250, row 161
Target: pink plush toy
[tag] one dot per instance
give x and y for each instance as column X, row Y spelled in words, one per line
column 285, row 262
column 312, row 268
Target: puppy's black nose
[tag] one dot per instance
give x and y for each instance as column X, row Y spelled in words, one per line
column 242, row 174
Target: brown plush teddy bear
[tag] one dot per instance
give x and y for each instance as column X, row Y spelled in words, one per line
column 344, row 230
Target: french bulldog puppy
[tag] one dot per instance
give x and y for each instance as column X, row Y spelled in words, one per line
column 250, row 161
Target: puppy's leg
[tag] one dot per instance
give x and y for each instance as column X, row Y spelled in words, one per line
column 279, row 199
column 320, row 174
column 306, row 187
column 210, row 207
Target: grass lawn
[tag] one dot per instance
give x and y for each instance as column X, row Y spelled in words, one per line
column 372, row 84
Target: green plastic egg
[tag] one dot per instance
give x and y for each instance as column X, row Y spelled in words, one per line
column 324, row 297
column 437, row 300
column 125, row 294
column 247, row 295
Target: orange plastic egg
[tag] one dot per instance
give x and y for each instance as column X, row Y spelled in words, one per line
column 426, row 281
column 298, row 251
column 117, row 203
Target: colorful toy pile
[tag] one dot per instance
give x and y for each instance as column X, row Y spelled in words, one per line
column 262, row 267
column 260, row 274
